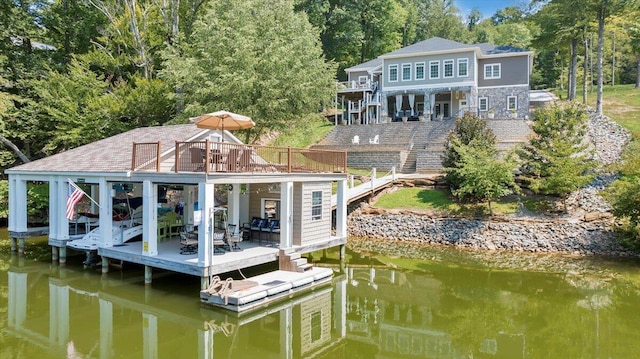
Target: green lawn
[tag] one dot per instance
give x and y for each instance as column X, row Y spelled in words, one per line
column 420, row 199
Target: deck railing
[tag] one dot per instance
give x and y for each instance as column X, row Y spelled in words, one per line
column 145, row 156
column 224, row 157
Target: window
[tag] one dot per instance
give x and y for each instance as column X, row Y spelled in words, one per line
column 406, row 72
column 420, row 71
column 483, row 104
column 512, row 102
column 434, row 69
column 448, row 68
column 492, row 71
column 463, row 67
column 393, row 73
column 316, row 205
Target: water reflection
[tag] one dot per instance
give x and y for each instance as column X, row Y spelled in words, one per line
column 369, row 311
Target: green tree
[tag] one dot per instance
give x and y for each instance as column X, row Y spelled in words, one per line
column 261, row 61
column 557, row 161
column 480, row 174
column 469, row 130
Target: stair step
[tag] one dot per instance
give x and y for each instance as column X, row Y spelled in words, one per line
column 305, row 267
column 293, row 256
column 300, row 261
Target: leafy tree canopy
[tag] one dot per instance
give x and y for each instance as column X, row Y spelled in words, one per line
column 260, row 61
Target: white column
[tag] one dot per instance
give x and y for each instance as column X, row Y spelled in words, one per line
column 286, row 214
column 106, row 209
column 286, row 333
column 149, row 218
column 206, row 203
column 234, row 205
column 106, row 329
column 17, row 298
column 17, row 204
column 61, row 208
column 341, row 209
column 188, row 194
column 54, row 208
column 149, row 336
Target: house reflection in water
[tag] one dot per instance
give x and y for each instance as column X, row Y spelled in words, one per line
column 366, row 312
column 86, row 317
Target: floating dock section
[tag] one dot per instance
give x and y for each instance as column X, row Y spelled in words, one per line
column 256, row 292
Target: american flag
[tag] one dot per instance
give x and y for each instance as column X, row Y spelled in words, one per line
column 75, row 195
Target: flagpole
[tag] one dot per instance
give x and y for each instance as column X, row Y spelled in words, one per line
column 85, row 193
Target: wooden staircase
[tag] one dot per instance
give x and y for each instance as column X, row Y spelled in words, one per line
column 292, row 261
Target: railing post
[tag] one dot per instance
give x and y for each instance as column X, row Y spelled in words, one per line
column 393, row 173
column 289, row 159
column 158, row 157
column 133, row 157
column 177, row 156
column 345, row 162
column 206, row 156
column 351, row 181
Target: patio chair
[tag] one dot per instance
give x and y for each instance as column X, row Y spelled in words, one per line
column 375, row 140
column 219, row 241
column 188, row 243
column 244, row 161
column 274, row 228
column 355, row 140
column 232, row 160
column 197, row 158
column 233, row 237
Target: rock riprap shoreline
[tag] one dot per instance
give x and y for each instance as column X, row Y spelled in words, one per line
column 586, row 230
column 523, row 235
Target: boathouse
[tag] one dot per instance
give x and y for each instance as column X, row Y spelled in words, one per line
column 279, row 200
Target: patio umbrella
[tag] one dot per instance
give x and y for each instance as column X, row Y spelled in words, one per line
column 221, row 120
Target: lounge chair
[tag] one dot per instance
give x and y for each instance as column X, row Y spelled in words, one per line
column 355, row 140
column 188, row 243
column 375, row 140
column 197, row 158
column 232, row 160
column 273, row 228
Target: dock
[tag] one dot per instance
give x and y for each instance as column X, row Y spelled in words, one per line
column 257, row 292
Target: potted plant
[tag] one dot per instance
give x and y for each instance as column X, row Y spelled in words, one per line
column 514, row 113
column 491, row 113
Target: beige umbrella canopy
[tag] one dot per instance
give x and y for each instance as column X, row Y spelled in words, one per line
column 223, row 120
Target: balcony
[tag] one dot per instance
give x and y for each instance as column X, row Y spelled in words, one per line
column 223, row 157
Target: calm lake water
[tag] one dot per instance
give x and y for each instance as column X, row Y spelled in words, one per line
column 432, row 308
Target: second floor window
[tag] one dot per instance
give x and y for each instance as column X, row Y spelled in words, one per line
column 420, row 71
column 406, row 72
column 448, row 68
column 492, row 71
column 463, row 67
column 434, row 69
column 393, row 73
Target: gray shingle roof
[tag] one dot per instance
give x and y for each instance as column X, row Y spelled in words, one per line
column 111, row 154
column 365, row 65
column 430, row 45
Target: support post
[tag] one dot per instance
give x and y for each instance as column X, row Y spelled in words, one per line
column 62, row 258
column 147, row 275
column 54, row 254
column 21, row 246
column 105, row 264
column 286, row 214
column 341, row 209
column 206, row 192
column 150, row 219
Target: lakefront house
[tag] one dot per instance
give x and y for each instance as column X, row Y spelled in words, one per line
column 438, row 79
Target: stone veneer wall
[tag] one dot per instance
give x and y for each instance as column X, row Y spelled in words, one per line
column 378, row 159
column 498, row 100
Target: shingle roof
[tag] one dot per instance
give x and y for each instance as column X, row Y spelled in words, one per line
column 111, row 154
column 365, row 65
column 430, row 45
